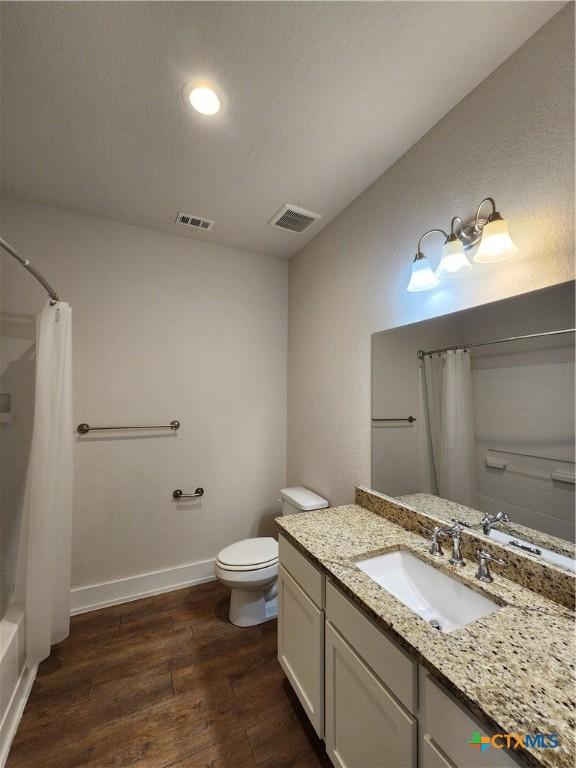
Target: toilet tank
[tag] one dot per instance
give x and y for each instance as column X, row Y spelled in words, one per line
column 300, row 499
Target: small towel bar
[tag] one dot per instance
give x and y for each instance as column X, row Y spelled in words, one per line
column 83, row 429
column 177, row 494
column 405, row 418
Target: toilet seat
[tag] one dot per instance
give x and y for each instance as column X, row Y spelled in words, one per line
column 247, row 568
column 259, row 578
column 249, row 555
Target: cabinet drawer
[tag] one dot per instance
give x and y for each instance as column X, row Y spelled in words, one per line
column 450, row 726
column 307, row 575
column 397, row 669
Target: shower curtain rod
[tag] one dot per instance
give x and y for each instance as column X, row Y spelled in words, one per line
column 422, row 354
column 26, row 264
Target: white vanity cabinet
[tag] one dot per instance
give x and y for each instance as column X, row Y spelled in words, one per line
column 446, row 727
column 369, row 699
column 301, row 630
column 371, row 690
column 365, row 724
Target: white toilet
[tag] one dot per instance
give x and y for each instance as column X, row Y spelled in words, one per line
column 250, row 567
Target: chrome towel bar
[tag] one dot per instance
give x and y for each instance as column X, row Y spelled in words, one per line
column 177, row 494
column 83, row 429
column 406, row 418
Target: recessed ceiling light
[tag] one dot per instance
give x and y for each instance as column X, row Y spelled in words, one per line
column 204, row 100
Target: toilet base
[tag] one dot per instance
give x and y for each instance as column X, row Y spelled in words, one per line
column 251, row 607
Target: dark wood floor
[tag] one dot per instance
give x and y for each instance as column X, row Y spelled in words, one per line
column 165, row 681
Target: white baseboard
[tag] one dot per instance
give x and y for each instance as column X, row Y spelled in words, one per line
column 95, row 596
column 14, row 712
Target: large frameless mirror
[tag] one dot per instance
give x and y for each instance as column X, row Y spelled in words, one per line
column 473, row 420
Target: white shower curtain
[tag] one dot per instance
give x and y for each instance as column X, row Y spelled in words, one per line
column 427, row 472
column 48, row 496
column 450, row 423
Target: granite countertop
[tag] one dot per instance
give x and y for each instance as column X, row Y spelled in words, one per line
column 447, row 510
column 513, row 668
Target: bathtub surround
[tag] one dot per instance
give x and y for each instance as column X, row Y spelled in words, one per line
column 17, row 344
column 542, row 383
column 512, row 137
column 164, row 328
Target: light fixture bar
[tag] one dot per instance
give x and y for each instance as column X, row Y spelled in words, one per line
column 429, row 232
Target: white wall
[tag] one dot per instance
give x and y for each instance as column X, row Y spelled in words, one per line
column 511, row 138
column 164, row 328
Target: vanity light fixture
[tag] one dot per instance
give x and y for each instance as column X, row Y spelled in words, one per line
column 423, row 278
column 496, row 243
column 453, row 262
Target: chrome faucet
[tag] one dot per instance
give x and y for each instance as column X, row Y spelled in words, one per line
column 435, row 548
column 456, row 559
column 483, row 572
column 488, row 521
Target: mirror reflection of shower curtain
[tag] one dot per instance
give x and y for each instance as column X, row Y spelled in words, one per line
column 427, row 481
column 48, row 495
column 447, row 451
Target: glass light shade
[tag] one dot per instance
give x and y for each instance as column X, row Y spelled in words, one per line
column 422, row 279
column 453, row 262
column 496, row 243
column 204, row 100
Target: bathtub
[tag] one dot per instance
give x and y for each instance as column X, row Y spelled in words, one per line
column 15, row 677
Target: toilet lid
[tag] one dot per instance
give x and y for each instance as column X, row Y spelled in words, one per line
column 250, row 552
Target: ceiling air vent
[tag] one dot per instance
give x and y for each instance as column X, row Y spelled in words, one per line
column 294, row 219
column 195, row 222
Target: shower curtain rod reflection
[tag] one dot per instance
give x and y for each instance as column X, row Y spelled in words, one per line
column 26, row 264
column 422, row 353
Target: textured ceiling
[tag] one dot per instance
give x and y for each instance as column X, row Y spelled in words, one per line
column 320, row 98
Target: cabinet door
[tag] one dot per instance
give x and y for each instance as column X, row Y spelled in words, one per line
column 301, row 647
column 432, row 756
column 366, row 727
column 448, row 727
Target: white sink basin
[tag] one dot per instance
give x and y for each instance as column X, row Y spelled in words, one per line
column 430, row 593
column 545, row 554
